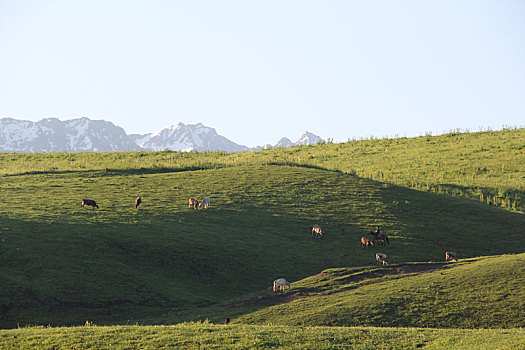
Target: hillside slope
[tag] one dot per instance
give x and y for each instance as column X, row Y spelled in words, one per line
column 62, row 264
column 485, row 292
column 486, row 166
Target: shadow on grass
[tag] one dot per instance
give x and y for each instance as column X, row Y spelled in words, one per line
column 162, row 170
column 509, row 199
column 109, row 171
column 219, row 166
column 342, row 280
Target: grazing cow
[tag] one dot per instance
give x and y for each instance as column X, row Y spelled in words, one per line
column 89, row 202
column 280, row 284
column 451, row 256
column 316, row 229
column 381, row 258
column 383, row 238
column 193, row 203
column 137, row 202
column 206, row 202
column 365, row 242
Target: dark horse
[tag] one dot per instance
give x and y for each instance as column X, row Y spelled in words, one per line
column 89, row 202
column 380, row 237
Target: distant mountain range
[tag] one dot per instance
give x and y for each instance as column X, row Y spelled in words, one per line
column 86, row 135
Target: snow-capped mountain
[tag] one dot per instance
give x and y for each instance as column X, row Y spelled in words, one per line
column 86, row 135
column 191, row 137
column 53, row 135
column 285, row 143
column 308, row 139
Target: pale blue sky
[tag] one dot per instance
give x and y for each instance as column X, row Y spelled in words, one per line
column 258, row 71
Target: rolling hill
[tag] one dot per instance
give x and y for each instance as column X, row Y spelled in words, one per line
column 61, row 264
column 484, row 166
column 165, row 263
column 482, row 292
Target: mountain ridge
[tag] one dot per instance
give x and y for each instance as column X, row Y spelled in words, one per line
column 87, row 135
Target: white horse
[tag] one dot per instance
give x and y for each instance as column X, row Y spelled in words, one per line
column 206, row 202
column 381, row 258
column 451, row 256
column 280, row 284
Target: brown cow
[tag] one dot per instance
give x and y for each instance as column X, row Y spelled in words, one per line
column 193, row 203
column 451, row 256
column 365, row 242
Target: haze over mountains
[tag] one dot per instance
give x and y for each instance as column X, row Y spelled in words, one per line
column 86, row 135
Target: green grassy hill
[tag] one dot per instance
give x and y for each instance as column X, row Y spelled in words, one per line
column 61, row 264
column 210, row 336
column 484, row 166
column 475, row 293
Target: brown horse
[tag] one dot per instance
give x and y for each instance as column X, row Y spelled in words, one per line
column 316, row 229
column 365, row 242
column 383, row 238
column 89, row 202
column 193, row 203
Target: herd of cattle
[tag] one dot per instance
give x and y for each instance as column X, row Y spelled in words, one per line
column 280, row 284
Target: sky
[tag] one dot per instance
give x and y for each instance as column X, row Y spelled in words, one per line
column 257, row 71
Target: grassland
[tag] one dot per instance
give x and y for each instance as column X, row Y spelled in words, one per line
column 485, row 166
column 210, row 336
column 62, row 264
column 164, row 263
column 476, row 293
